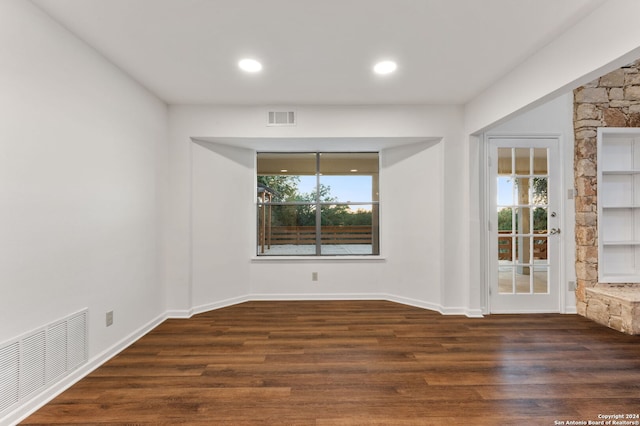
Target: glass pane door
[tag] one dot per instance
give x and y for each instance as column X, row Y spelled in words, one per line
column 523, row 272
column 523, row 266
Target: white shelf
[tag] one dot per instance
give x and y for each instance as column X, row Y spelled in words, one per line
column 620, row 278
column 621, row 172
column 621, row 243
column 619, row 205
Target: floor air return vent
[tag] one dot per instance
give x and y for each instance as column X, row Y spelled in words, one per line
column 34, row 361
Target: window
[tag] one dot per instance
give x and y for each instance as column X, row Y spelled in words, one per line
column 317, row 204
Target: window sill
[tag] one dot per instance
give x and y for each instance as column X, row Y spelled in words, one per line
column 314, row 259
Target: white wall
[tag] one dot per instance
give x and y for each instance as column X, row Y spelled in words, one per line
column 81, row 153
column 413, row 227
column 222, row 218
column 204, row 272
column 555, row 117
column 603, row 41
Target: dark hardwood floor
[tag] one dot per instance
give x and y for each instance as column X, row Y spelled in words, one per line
column 359, row 363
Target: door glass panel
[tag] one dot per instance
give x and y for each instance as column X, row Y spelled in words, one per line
column 505, row 249
column 505, row 191
column 505, row 161
column 540, row 249
column 523, row 279
column 522, row 190
column 540, row 164
column 539, row 220
column 539, row 194
column 522, row 220
column 541, row 279
column 523, row 249
column 523, row 161
column 505, row 279
column 505, row 220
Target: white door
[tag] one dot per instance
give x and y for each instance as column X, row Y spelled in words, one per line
column 524, row 215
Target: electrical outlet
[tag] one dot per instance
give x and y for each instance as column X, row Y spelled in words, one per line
column 314, row 276
column 571, row 286
column 109, row 318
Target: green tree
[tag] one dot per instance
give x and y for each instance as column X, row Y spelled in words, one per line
column 331, row 215
column 540, row 196
column 360, row 217
column 284, row 188
column 539, row 219
column 505, row 219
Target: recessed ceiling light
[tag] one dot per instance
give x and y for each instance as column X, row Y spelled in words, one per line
column 250, row 65
column 284, row 171
column 353, row 170
column 385, row 67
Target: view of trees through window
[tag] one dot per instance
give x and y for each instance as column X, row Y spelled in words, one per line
column 285, row 190
column 317, row 203
column 538, row 197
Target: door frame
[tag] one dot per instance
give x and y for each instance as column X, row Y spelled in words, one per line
column 486, row 204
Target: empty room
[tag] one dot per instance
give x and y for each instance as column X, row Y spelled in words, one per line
column 414, row 212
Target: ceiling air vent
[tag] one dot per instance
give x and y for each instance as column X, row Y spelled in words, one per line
column 281, row 118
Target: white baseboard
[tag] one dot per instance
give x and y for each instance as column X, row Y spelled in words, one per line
column 317, row 296
column 179, row 313
column 220, row 304
column 474, row 313
column 414, row 302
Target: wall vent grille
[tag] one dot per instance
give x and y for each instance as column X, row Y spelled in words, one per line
column 281, row 118
column 32, row 370
column 57, row 350
column 77, row 342
column 33, row 361
column 9, row 375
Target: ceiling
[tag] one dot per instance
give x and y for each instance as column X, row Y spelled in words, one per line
column 317, row 52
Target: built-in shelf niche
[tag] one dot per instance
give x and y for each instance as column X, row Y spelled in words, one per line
column 619, row 205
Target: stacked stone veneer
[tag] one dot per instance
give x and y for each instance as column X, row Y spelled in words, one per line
column 610, row 101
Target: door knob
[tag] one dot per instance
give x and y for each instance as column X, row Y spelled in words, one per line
column 554, row 231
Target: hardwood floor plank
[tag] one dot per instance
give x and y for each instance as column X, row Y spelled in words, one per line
column 357, row 363
column 560, row 391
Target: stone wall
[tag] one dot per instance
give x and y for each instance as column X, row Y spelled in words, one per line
column 615, row 305
column 610, row 101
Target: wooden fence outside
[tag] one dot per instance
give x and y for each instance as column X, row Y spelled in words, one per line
column 505, row 246
column 306, row 235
